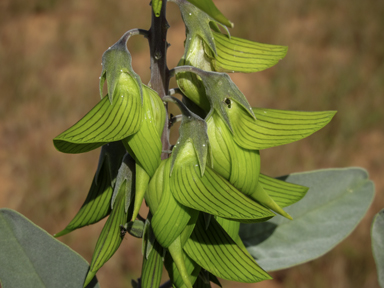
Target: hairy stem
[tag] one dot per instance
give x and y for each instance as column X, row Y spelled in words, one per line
column 157, row 38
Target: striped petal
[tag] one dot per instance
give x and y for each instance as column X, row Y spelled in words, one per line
column 97, row 204
column 276, row 127
column 213, row 194
column 106, row 122
column 241, row 55
column 216, row 252
column 110, row 237
column 146, row 143
column 170, row 218
column 283, row 193
column 152, row 268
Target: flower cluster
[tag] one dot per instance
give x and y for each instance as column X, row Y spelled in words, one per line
column 211, row 183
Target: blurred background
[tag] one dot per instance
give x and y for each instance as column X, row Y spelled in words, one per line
column 50, row 54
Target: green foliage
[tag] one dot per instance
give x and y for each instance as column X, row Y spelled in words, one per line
column 336, row 202
column 378, row 244
column 29, row 256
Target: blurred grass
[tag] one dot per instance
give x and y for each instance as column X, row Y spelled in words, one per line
column 50, row 54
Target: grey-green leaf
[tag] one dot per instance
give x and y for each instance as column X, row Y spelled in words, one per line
column 336, row 202
column 29, row 256
column 377, row 233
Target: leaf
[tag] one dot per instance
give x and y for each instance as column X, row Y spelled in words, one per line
column 283, row 193
column 377, row 233
column 146, row 143
column 110, row 237
column 277, row 127
column 152, row 268
column 29, row 256
column 209, row 7
column 105, row 123
column 241, row 55
column 216, row 252
column 213, row 194
column 336, row 202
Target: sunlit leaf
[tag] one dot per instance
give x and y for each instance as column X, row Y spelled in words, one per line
column 377, row 233
column 216, row 252
column 336, row 202
column 29, row 256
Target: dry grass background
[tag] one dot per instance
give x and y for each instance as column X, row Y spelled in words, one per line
column 50, row 54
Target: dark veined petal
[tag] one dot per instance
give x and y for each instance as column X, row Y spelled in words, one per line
column 106, row 122
column 283, row 193
column 170, row 217
column 241, row 167
column 276, row 127
column 216, row 252
column 110, row 237
column 212, row 194
column 125, row 180
column 192, row 269
column 262, row 197
column 155, row 188
column 241, row 55
column 176, row 251
column 97, row 204
column 152, row 268
column 146, row 143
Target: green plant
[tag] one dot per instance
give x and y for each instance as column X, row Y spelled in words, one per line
column 211, row 182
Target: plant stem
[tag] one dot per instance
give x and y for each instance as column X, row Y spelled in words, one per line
column 159, row 71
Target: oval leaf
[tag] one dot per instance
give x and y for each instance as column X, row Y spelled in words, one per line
column 336, row 202
column 377, row 233
column 29, row 256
